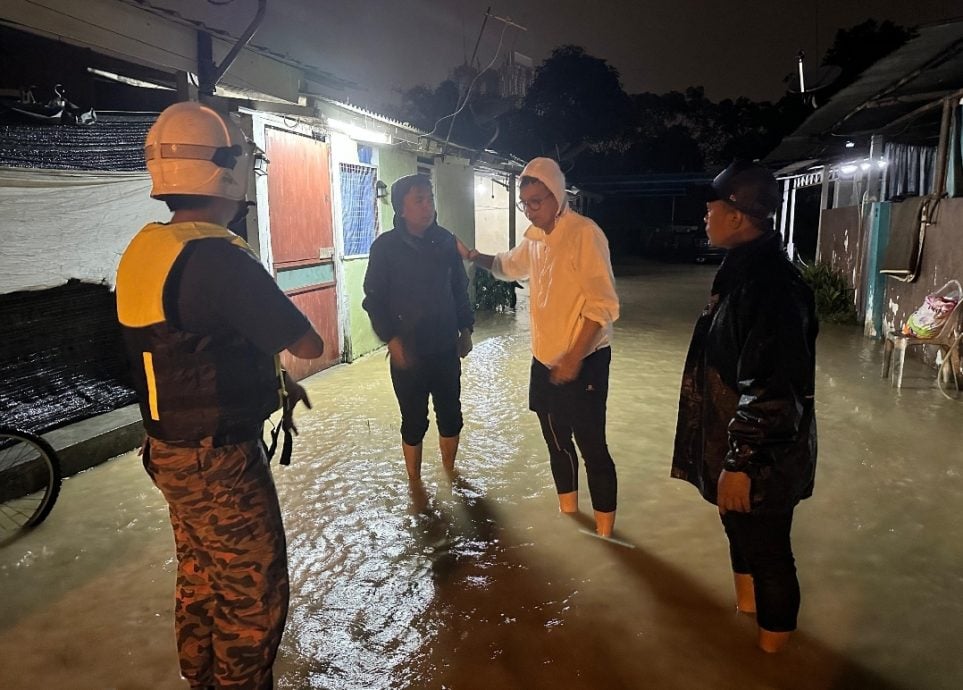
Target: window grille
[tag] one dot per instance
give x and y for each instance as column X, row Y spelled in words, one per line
column 359, row 210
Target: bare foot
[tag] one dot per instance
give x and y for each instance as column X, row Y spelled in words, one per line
column 419, row 496
column 604, row 523
column 772, row 642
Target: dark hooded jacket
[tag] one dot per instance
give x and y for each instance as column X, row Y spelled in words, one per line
column 416, row 288
column 747, row 388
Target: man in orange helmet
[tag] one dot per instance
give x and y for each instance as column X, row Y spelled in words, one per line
column 203, row 322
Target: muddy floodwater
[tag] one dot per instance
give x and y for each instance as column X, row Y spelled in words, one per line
column 489, row 587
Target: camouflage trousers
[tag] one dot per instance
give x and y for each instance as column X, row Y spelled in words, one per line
column 231, row 600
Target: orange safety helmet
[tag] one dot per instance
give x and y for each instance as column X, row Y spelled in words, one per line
column 193, row 150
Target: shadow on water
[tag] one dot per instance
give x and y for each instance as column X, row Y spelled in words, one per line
column 489, row 587
column 721, row 639
column 539, row 634
column 497, row 619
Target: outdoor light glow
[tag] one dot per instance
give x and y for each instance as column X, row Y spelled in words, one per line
column 850, row 144
column 864, row 166
column 848, row 169
column 130, row 81
column 359, row 133
column 881, row 164
column 480, row 187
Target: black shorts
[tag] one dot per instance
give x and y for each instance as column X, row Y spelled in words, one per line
column 437, row 375
column 570, row 398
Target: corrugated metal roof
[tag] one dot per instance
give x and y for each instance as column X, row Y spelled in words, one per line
column 923, row 71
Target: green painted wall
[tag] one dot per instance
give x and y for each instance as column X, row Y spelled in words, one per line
column 362, row 338
column 392, row 164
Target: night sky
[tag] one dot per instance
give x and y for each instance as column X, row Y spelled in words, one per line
column 732, row 48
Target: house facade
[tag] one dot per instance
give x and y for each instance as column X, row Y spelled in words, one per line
column 879, row 166
column 67, row 216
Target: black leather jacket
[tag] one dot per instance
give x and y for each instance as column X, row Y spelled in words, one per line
column 747, row 389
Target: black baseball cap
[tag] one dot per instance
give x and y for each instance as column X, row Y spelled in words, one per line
column 748, row 187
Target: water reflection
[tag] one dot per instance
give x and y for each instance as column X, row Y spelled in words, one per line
column 488, row 586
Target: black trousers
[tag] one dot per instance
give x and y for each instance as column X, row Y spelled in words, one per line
column 577, row 410
column 759, row 545
column 437, row 375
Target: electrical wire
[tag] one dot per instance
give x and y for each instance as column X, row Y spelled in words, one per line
column 472, row 84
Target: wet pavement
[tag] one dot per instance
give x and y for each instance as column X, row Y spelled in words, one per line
column 490, row 587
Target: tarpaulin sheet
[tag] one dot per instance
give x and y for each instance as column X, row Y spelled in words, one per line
column 56, row 225
column 61, row 237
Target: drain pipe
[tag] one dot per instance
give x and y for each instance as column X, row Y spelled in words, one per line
column 209, row 73
column 943, row 150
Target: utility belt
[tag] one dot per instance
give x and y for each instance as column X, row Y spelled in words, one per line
column 255, row 432
column 218, row 440
column 237, row 438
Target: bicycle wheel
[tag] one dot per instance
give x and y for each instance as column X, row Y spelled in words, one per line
column 29, row 481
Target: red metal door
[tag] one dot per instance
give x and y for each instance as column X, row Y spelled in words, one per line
column 302, row 238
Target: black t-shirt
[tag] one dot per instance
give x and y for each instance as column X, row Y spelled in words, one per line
column 222, row 289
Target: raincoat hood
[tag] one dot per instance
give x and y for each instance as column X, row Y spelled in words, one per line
column 546, row 171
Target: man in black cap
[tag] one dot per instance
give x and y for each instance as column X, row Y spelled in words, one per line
column 746, row 432
column 416, row 295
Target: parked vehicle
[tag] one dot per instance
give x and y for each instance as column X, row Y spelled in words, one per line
column 705, row 253
column 683, row 243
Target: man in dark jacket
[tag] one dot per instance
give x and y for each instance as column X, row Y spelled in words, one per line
column 746, row 433
column 416, row 295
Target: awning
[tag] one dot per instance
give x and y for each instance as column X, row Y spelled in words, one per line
column 888, row 98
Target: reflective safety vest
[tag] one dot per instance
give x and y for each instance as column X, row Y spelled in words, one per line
column 190, row 386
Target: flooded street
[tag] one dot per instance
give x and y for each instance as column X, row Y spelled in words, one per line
column 490, row 587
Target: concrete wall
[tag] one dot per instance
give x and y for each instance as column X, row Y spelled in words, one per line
column 942, row 261
column 842, row 244
column 455, row 198
column 492, row 214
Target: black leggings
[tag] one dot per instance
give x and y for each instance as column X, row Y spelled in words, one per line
column 577, row 409
column 438, row 375
column 759, row 546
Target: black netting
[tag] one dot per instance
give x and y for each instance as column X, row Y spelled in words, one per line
column 114, row 142
column 61, row 356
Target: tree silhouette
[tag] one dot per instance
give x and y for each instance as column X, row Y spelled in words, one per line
column 575, row 102
column 860, row 46
column 576, row 109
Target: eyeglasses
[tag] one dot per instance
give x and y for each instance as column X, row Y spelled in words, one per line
column 533, row 204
